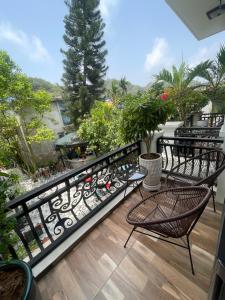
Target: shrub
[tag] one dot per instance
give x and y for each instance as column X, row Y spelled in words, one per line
column 141, row 116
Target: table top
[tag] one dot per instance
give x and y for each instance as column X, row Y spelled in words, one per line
column 131, row 172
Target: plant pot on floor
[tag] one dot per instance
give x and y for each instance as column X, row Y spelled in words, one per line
column 153, row 163
column 17, row 282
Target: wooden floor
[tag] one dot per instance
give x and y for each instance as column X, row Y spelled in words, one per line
column 100, row 268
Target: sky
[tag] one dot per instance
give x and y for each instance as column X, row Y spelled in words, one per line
column 141, row 37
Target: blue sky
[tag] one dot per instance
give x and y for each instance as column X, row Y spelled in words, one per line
column 142, row 37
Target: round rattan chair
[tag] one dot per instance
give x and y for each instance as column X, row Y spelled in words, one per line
column 170, row 213
column 199, row 170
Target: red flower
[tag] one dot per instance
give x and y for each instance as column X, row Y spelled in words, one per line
column 107, row 185
column 164, row 96
column 89, row 179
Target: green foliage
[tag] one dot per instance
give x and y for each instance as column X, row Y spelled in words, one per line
column 124, row 85
column 182, row 77
column 141, row 116
column 8, row 190
column 128, row 87
column 21, row 112
column 186, row 101
column 40, row 84
column 215, row 77
column 84, row 62
column 102, row 128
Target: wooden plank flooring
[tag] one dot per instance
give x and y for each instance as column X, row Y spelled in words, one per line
column 100, row 268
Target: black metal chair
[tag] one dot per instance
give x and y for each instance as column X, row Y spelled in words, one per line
column 170, row 213
column 199, row 170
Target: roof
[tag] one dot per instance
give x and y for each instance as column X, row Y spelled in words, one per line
column 68, row 140
column 193, row 14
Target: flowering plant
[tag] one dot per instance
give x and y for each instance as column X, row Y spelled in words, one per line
column 142, row 115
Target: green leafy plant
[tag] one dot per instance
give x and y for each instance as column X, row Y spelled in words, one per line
column 102, row 128
column 215, row 77
column 21, row 114
column 8, row 190
column 186, row 101
column 142, row 115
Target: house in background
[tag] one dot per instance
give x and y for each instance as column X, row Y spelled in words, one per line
column 57, row 119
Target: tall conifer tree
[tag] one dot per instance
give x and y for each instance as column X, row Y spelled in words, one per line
column 84, row 63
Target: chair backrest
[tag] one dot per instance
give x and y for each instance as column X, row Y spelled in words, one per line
column 203, row 169
column 214, row 166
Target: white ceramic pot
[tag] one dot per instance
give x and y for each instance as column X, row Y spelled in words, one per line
column 154, row 166
column 202, row 123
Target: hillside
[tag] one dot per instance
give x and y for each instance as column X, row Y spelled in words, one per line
column 56, row 90
column 132, row 88
column 41, row 84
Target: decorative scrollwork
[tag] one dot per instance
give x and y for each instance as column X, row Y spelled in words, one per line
column 68, row 204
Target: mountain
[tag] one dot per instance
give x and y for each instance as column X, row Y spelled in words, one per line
column 41, row 84
column 131, row 88
column 57, row 91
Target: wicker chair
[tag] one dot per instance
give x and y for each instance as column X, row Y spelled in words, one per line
column 199, row 170
column 170, row 213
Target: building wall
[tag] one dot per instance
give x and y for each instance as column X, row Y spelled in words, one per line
column 45, row 151
column 53, row 119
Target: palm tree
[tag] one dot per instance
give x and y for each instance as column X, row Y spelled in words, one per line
column 215, row 77
column 114, row 91
column 182, row 77
column 181, row 83
column 123, row 85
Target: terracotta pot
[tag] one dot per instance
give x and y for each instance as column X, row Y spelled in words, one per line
column 153, row 163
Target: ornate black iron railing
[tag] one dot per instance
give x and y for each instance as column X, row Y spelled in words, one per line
column 200, row 132
column 49, row 214
column 213, row 119
column 175, row 150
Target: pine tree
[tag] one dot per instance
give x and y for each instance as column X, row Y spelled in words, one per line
column 84, row 63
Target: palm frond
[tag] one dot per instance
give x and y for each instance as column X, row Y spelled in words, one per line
column 201, row 70
column 165, row 76
column 221, row 56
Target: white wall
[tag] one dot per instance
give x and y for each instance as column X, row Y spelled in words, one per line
column 220, row 194
column 53, row 119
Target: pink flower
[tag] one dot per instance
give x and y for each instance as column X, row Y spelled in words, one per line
column 107, row 185
column 89, row 179
column 164, row 96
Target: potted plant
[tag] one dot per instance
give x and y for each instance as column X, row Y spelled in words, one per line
column 140, row 119
column 16, row 279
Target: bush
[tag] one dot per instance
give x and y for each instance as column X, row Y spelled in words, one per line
column 102, row 128
column 186, row 101
column 141, row 116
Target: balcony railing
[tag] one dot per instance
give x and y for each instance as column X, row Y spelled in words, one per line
column 175, row 150
column 49, row 214
column 214, row 119
column 200, row 132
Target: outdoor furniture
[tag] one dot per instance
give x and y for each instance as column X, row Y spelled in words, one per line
column 132, row 174
column 199, row 170
column 170, row 213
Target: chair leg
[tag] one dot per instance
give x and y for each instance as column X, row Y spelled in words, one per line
column 129, row 237
column 140, row 192
column 125, row 191
column 213, row 196
column 189, row 250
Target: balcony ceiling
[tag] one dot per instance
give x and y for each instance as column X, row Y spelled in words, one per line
column 193, row 14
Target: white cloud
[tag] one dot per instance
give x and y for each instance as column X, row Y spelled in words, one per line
column 32, row 46
column 203, row 54
column 158, row 56
column 106, row 6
